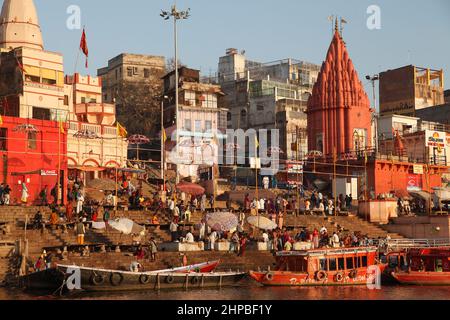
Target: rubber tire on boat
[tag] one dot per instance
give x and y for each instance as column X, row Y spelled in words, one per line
column 339, row 277
column 170, row 279
column 144, row 278
column 113, row 282
column 95, row 277
column 269, row 276
column 195, row 280
column 353, row 274
column 321, row 275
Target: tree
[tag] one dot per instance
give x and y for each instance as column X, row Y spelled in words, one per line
column 170, row 64
column 138, row 104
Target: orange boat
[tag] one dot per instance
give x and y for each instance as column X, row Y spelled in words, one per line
column 425, row 266
column 322, row 267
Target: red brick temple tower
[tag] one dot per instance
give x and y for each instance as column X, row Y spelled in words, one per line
column 339, row 113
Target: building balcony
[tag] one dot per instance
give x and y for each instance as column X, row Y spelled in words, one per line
column 95, row 108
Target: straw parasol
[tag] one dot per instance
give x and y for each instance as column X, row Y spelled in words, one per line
column 222, row 221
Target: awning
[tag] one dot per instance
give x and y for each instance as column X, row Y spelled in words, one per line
column 87, row 168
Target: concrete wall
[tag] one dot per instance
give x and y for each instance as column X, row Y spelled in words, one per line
column 378, row 211
column 421, row 227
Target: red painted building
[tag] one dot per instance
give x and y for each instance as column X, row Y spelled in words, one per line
column 32, row 157
column 339, row 113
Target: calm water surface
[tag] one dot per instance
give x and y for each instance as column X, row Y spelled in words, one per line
column 252, row 292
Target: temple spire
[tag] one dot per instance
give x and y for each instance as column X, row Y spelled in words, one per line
column 19, row 25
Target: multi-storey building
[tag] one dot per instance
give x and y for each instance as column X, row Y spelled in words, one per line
column 408, row 89
column 200, row 118
column 33, row 106
column 93, row 140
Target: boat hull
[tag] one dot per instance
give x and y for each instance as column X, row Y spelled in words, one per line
column 422, row 278
column 112, row 280
column 292, row 279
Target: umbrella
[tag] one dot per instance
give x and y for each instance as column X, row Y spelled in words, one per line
column 222, row 221
column 262, row 223
column 191, row 188
column 138, row 139
column 126, row 226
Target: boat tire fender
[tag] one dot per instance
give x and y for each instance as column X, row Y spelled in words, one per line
column 339, row 277
column 144, row 278
column 321, row 275
column 195, row 280
column 353, row 274
column 269, row 276
column 97, row 279
column 116, row 279
column 170, row 279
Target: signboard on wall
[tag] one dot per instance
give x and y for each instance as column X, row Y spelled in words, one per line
column 435, row 139
column 414, row 182
column 49, row 173
column 417, row 169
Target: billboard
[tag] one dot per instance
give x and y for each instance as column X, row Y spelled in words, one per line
column 435, row 139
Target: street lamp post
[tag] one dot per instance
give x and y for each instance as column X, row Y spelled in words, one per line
column 372, row 79
column 177, row 15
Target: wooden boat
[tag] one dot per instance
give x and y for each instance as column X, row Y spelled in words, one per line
column 422, row 266
column 200, row 267
column 94, row 279
column 322, row 267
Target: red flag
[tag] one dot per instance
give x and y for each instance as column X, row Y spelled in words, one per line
column 22, row 69
column 84, row 46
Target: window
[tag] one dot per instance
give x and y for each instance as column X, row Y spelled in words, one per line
column 3, row 141
column 341, row 265
column 260, row 108
column 208, row 125
column 66, row 100
column 189, row 98
column 32, row 140
column 228, row 116
column 93, row 100
column 349, row 262
column 364, row 261
column 332, row 266
column 323, row 264
column 130, row 71
column 146, row 73
column 198, row 125
column 135, row 70
column 83, row 99
column 187, row 124
column 41, row 113
column 116, row 75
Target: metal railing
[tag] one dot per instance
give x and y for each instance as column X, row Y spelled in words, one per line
column 418, row 243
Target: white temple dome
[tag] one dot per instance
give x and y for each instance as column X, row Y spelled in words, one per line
column 19, row 25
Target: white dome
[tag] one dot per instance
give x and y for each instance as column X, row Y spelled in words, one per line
column 19, row 25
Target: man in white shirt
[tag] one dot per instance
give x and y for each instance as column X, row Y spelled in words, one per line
column 212, row 239
column 262, row 203
column 322, row 208
column 174, row 231
column 265, row 237
column 190, row 237
column 335, row 240
column 323, row 230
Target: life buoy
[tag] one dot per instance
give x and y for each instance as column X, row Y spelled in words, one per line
column 144, row 278
column 195, row 280
column 353, row 274
column 97, row 279
column 339, row 277
column 113, row 279
column 269, row 276
column 170, row 279
column 321, row 275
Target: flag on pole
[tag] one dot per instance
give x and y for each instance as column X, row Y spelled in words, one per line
column 164, row 135
column 121, row 131
column 20, row 65
column 84, row 46
column 61, row 127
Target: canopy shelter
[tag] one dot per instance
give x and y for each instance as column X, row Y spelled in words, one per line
column 190, row 188
column 222, row 221
column 126, row 226
column 262, row 223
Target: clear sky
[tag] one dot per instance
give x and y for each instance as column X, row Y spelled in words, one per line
column 412, row 31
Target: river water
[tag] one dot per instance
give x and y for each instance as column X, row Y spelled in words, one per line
column 255, row 292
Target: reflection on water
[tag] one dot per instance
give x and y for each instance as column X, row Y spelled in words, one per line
column 252, row 292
